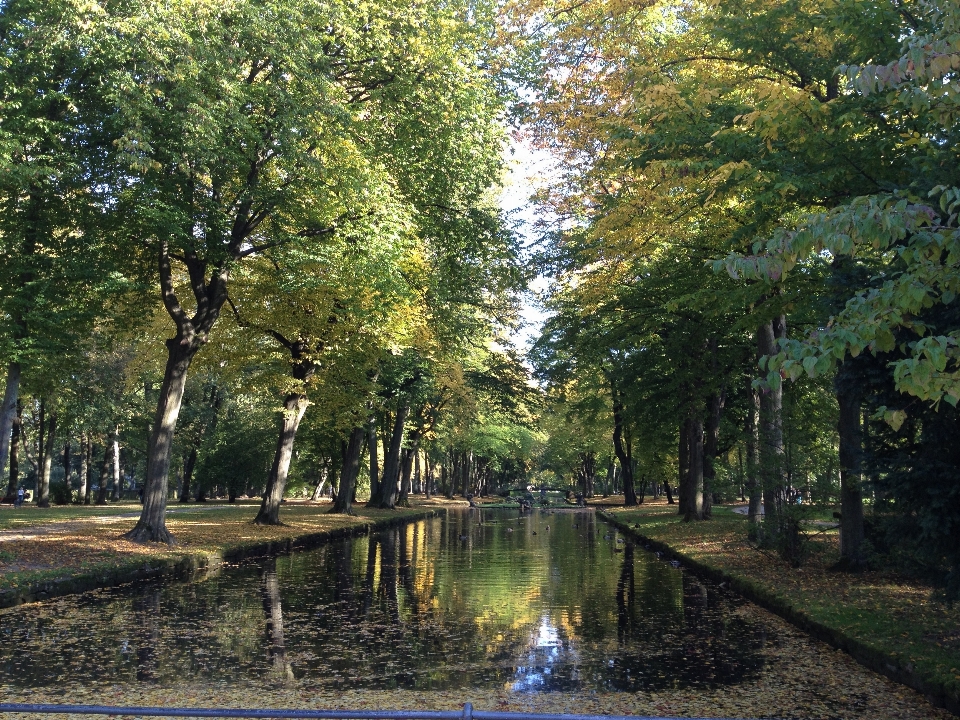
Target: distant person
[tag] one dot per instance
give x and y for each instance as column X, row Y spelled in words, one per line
column 19, row 501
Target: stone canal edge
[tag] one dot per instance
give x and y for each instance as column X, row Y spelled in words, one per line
column 193, row 565
column 877, row 660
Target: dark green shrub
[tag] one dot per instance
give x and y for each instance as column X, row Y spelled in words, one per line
column 60, row 493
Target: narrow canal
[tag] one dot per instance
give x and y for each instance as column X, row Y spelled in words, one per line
column 483, row 600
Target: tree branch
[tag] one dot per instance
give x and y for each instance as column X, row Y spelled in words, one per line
column 267, row 331
column 167, row 292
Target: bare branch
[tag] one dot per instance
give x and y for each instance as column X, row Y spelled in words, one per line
column 167, row 292
column 267, row 331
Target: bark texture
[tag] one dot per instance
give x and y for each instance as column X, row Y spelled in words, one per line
column 772, row 456
column 711, row 446
column 104, row 469
column 152, row 526
column 8, row 412
column 621, row 445
column 350, row 471
column 683, row 465
column 694, row 479
column 753, row 481
column 188, row 467
column 46, row 461
column 389, row 485
column 82, row 498
column 294, row 406
column 16, row 435
column 115, row 465
column 374, row 452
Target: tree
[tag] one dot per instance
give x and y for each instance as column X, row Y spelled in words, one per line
column 54, row 266
column 268, row 156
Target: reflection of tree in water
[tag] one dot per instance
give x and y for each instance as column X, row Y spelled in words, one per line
column 146, row 609
column 405, row 569
column 626, row 595
column 389, row 634
column 704, row 645
column 428, row 606
column 273, row 613
column 389, row 602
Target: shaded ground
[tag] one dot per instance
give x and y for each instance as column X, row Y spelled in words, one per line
column 40, row 545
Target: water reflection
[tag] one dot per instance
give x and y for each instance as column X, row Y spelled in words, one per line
column 535, row 602
column 273, row 612
column 147, row 610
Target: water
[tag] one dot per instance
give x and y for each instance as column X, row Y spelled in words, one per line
column 483, row 599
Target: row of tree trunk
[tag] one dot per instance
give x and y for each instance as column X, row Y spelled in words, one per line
column 109, row 469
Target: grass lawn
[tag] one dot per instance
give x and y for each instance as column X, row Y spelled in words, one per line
column 56, row 544
column 30, row 514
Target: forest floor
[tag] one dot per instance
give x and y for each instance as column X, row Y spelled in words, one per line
column 53, row 551
column 891, row 623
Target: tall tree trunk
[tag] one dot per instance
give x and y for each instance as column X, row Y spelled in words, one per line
column 711, row 444
column 754, row 483
column 373, row 451
column 90, row 453
column 41, row 435
column 8, row 411
column 334, row 479
column 446, row 479
column 591, row 473
column 66, row 464
column 188, row 467
column 350, row 471
column 410, row 454
column 46, row 462
column 417, row 476
column 771, row 432
column 117, row 474
column 851, row 494
column 623, row 451
column 84, row 469
column 323, row 472
column 104, row 470
column 466, row 463
column 152, row 526
column 391, row 466
column 428, row 475
column 16, row 435
column 294, row 406
column 683, row 465
column 694, row 489
column 587, row 473
column 406, row 472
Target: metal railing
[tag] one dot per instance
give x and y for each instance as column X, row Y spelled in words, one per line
column 468, row 713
